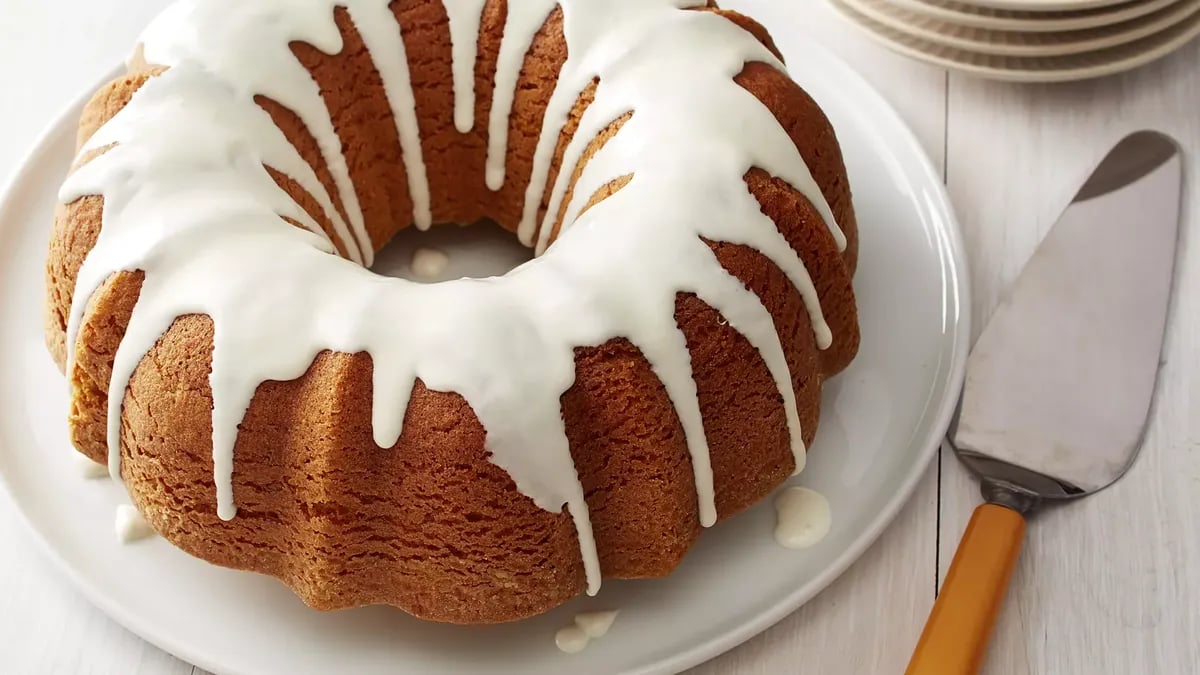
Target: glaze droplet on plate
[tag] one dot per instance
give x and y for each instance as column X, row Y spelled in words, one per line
column 803, row 517
column 596, row 624
column 587, row 626
column 571, row 639
column 130, row 526
column 429, row 263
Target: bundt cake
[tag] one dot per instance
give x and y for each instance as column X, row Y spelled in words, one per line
column 479, row 450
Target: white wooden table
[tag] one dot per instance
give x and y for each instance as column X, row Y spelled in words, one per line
column 1110, row 585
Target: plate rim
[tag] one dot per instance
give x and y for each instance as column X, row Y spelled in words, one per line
column 958, row 276
column 1041, row 5
column 975, row 16
column 1042, row 76
column 1131, row 31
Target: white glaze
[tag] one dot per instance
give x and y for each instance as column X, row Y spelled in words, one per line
column 596, row 624
column 87, row 468
column 464, row 18
column 803, row 517
column 429, row 263
column 587, row 626
column 377, row 26
column 188, row 202
column 520, row 27
column 129, row 525
column 571, row 639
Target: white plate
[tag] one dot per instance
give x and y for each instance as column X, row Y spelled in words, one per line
column 952, row 11
column 1029, row 69
column 1043, row 5
column 1022, row 43
column 881, row 423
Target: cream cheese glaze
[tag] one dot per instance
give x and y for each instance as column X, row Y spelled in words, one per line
column 802, row 517
column 586, row 627
column 187, row 200
column 429, row 263
column 129, row 525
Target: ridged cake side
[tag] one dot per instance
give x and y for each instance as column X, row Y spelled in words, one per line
column 431, row 525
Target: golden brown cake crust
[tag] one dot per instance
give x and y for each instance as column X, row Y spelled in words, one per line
column 430, row 525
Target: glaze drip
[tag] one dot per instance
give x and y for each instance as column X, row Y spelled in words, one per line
column 188, row 202
column 464, row 18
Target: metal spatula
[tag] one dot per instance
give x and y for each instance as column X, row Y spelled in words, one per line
column 1059, row 385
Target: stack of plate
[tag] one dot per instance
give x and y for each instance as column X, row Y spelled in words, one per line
column 1029, row 40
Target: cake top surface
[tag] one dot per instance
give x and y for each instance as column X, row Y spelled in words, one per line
column 189, row 202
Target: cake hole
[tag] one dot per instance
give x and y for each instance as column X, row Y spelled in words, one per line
column 446, row 252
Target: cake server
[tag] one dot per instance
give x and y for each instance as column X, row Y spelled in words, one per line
column 1059, row 385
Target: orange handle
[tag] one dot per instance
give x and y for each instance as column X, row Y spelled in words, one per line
column 960, row 625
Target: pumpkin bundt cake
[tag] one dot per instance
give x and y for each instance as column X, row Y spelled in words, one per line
column 479, row 450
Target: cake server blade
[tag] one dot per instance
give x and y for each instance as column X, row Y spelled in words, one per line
column 1059, row 386
column 1061, row 380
